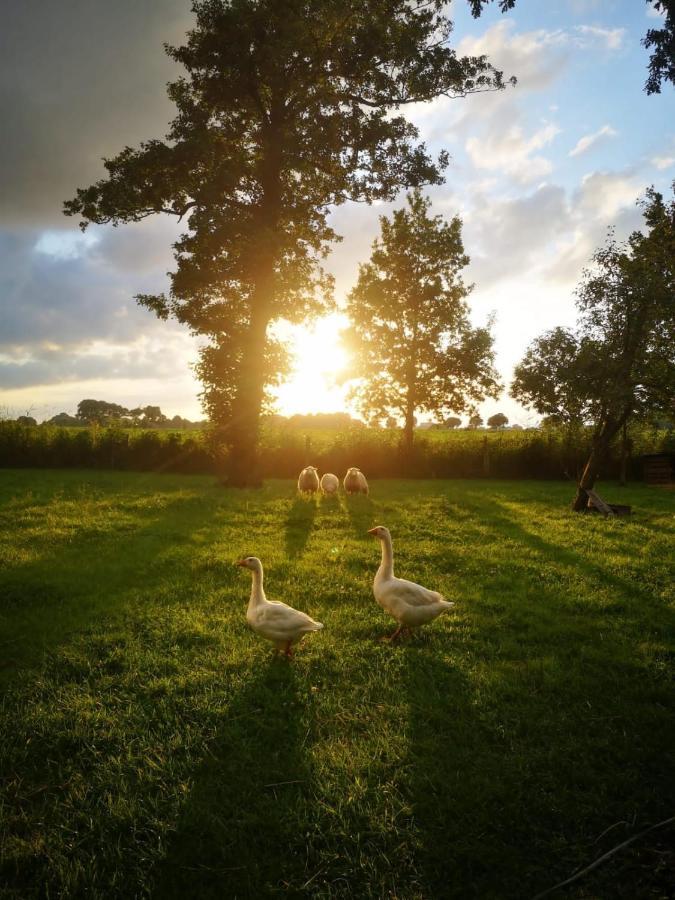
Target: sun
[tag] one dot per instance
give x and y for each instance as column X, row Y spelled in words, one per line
column 319, row 359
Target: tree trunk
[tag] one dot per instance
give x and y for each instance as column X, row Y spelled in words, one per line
column 409, row 432
column 588, row 476
column 596, row 459
column 243, row 462
column 243, row 465
column 625, row 441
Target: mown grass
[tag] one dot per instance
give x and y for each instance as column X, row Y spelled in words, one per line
column 153, row 747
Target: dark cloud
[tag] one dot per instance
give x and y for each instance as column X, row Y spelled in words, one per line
column 79, row 80
column 510, row 236
column 71, row 301
column 49, row 366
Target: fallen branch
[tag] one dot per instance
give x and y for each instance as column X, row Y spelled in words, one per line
column 603, row 859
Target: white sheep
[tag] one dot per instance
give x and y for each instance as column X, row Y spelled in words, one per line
column 355, row 482
column 308, row 480
column 329, row 483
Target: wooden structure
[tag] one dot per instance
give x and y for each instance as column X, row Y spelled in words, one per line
column 658, row 468
column 597, row 504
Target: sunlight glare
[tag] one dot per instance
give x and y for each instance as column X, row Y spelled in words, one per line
column 319, row 359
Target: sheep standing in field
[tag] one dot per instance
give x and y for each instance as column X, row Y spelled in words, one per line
column 308, row 481
column 329, row 483
column 355, row 482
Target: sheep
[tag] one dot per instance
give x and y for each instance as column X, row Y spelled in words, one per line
column 308, row 480
column 329, row 483
column 355, row 482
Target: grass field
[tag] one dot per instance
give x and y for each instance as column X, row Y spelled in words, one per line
column 152, row 746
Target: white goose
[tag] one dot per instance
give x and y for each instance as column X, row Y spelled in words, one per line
column 276, row 621
column 410, row 604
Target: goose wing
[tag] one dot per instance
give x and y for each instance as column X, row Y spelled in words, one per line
column 279, row 617
column 412, row 594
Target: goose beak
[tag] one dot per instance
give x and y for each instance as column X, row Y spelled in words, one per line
column 241, row 562
column 372, row 531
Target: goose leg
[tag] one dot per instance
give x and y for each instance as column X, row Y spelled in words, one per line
column 394, row 636
column 288, row 652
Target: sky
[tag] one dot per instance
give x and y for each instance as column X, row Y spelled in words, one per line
column 538, row 173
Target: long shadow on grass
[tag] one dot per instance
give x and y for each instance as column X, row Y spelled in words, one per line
column 299, row 524
column 599, row 574
column 455, row 773
column 238, row 834
column 61, row 592
column 361, row 510
column 519, row 762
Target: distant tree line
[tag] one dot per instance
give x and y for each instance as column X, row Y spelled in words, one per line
column 104, row 413
column 533, row 453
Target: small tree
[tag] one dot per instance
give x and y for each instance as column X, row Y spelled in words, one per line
column 475, row 421
column 412, row 344
column 620, row 362
column 26, row 420
column 497, row 421
column 452, row 422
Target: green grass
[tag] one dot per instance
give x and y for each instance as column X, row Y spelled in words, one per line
column 152, row 746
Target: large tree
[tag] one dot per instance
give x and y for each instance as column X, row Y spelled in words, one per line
column 287, row 108
column 620, row 361
column 412, row 344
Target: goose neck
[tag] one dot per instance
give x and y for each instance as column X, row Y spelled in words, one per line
column 387, row 564
column 257, row 592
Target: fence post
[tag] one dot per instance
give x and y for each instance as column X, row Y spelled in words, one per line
column 486, row 458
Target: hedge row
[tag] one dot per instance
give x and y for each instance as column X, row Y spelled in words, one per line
column 525, row 454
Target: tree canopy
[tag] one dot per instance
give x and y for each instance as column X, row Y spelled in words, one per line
column 413, row 347
column 661, row 41
column 498, row 420
column 286, row 109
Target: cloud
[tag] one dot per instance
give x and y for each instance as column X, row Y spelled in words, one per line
column 589, row 140
column 511, row 236
column 78, row 82
column 589, row 36
column 513, row 153
column 602, row 194
column 73, row 299
column 663, row 162
column 603, row 199
column 138, row 359
column 535, row 57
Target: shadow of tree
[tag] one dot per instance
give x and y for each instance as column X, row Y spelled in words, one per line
column 67, row 587
column 600, row 574
column 236, row 834
column 299, row 524
column 508, row 752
